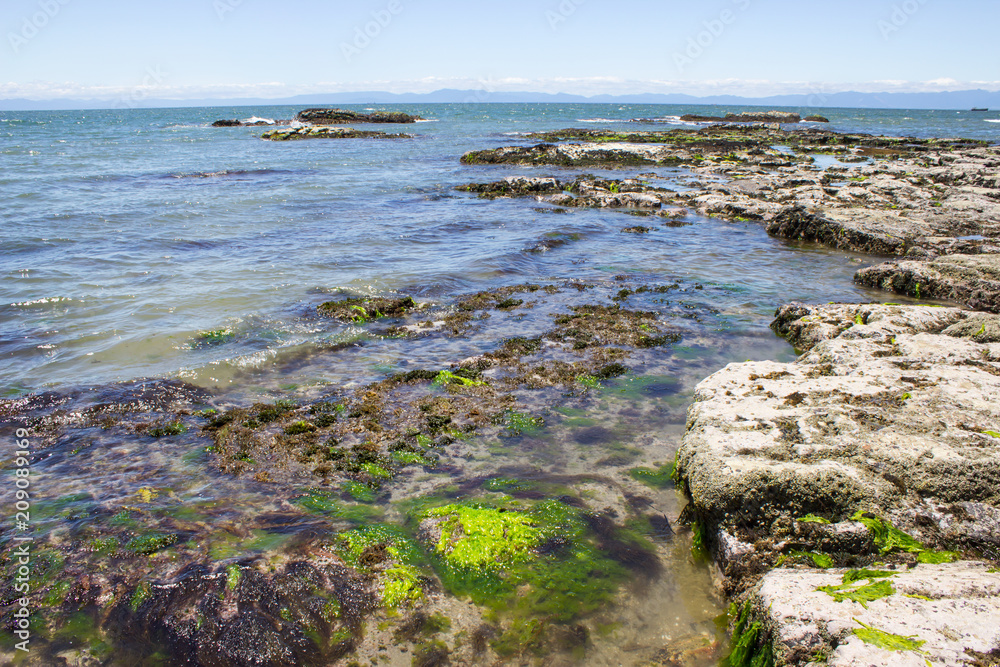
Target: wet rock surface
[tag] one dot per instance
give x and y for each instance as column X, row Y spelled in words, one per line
column 926, row 199
column 746, row 117
column 310, row 132
column 336, row 116
column 973, row 280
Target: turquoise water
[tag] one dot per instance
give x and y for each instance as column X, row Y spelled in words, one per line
column 125, row 234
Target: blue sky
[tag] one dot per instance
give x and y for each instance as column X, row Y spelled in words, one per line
column 199, row 48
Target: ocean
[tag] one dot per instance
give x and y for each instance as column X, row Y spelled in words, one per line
column 145, row 244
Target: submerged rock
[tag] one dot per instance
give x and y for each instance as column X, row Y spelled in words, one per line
column 334, row 116
column 227, row 123
column 973, row 280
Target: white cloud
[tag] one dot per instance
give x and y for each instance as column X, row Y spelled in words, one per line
column 162, row 89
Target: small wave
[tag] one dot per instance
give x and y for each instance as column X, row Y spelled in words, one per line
column 427, row 120
column 42, row 301
column 257, row 119
column 992, row 120
column 599, row 120
column 233, row 173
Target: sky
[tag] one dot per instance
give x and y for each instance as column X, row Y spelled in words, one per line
column 263, row 48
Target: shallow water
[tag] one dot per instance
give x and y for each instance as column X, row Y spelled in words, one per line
column 128, row 237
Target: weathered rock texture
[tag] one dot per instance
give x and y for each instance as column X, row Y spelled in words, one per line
column 953, row 609
column 970, row 279
column 893, row 410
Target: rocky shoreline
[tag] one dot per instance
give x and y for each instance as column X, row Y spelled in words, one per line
column 856, row 489
column 850, row 500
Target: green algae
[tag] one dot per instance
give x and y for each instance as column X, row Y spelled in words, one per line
column 233, row 576
column 938, row 557
column 746, row 650
column 150, row 543
column 224, row 545
column 887, row 537
column 141, row 594
column 325, row 503
column 660, row 478
column 812, row 518
column 887, row 640
column 860, row 594
column 519, row 423
column 820, row 560
column 484, row 538
column 446, row 378
column 523, row 636
column 299, row 427
column 214, row 337
column 167, row 430
column 541, row 561
column 401, row 586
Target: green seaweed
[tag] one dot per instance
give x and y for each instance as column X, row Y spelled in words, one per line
column 323, row 502
column 151, row 543
column 166, row 430
column 993, row 434
column 233, row 576
column 214, row 337
column 660, row 478
column 543, row 561
column 937, row 557
column 746, row 649
column 445, row 378
column 299, row 427
column 886, row 640
column 142, row 593
column 887, row 537
column 862, row 594
column 518, row 423
column 401, row 586
column 812, row 518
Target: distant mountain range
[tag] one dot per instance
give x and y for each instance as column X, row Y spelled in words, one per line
column 966, row 99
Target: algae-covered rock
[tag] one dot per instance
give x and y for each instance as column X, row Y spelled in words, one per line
column 360, row 310
column 334, row 116
column 327, row 133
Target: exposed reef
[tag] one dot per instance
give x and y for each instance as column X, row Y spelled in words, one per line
column 746, row 117
column 328, row 133
column 338, row 116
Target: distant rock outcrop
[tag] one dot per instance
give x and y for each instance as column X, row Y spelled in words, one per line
column 768, row 117
column 335, row 116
